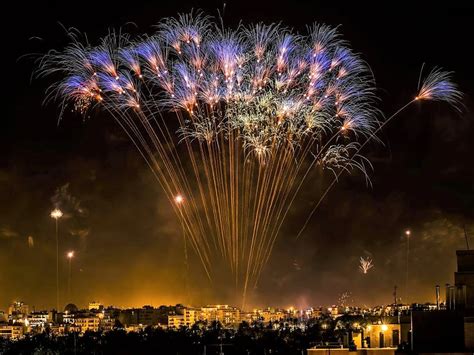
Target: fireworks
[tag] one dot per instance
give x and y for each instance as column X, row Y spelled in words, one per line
column 438, row 86
column 365, row 265
column 345, row 299
column 228, row 117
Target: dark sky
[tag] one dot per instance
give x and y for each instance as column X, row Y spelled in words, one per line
column 127, row 242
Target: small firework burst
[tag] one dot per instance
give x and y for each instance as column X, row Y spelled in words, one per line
column 365, row 264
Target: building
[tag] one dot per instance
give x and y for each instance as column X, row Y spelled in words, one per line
column 449, row 330
column 87, row 323
column 268, row 315
column 110, row 318
column 95, row 306
column 469, row 333
column 461, row 295
column 148, row 316
column 437, row 331
column 312, row 313
column 71, row 308
column 335, row 311
column 18, row 311
column 39, row 319
column 128, row 317
column 225, row 314
column 186, row 318
column 18, row 307
column 249, row 317
column 66, row 318
column 384, row 335
column 107, row 323
column 58, row 329
column 11, row 331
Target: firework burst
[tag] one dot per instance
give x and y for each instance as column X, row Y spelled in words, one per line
column 226, row 118
column 365, row 265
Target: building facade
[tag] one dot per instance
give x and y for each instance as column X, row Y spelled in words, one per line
column 87, row 323
column 187, row 318
column 18, row 311
column 225, row 314
column 95, row 306
column 461, row 295
column 11, row 331
column 384, row 335
column 39, row 319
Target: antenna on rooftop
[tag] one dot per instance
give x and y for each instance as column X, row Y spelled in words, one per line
column 466, row 237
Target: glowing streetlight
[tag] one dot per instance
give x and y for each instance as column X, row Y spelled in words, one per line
column 57, row 214
column 408, row 234
column 179, row 199
column 384, row 327
column 69, row 255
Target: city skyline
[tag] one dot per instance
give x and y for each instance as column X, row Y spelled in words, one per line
column 443, row 326
column 127, row 243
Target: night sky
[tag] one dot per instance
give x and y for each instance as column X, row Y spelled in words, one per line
column 127, row 240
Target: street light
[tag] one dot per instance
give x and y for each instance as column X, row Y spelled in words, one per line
column 70, row 255
column 57, row 214
column 408, row 234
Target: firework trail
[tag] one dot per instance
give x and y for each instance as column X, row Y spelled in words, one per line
column 227, row 119
column 365, row 265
